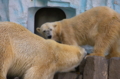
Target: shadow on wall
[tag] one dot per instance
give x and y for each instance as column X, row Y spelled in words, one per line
column 48, row 15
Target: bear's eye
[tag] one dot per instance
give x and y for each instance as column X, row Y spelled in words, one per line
column 44, row 31
column 50, row 29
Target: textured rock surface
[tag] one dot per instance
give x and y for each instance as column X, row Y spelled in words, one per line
column 80, row 77
column 82, row 66
column 66, row 76
column 114, row 68
column 96, row 68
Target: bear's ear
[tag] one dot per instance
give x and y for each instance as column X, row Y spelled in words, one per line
column 38, row 29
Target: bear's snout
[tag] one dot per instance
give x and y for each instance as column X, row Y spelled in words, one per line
column 49, row 37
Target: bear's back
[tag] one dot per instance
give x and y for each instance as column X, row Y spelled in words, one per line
column 19, row 37
column 10, row 27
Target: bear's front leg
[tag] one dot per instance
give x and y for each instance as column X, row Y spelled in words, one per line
column 102, row 45
column 39, row 73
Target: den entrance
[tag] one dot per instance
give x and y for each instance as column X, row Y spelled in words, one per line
column 48, row 15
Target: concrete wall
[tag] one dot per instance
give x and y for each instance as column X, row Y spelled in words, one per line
column 18, row 10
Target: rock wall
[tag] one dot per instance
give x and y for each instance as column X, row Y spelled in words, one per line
column 95, row 68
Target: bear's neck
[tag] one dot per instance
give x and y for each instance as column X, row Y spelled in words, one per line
column 70, row 33
column 67, row 33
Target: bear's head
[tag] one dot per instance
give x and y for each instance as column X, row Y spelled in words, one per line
column 74, row 57
column 50, row 30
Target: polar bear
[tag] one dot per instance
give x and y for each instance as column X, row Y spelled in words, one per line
column 98, row 27
column 26, row 55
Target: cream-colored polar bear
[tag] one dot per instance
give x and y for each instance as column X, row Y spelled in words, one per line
column 99, row 27
column 29, row 56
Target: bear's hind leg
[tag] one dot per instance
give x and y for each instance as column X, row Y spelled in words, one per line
column 6, row 57
column 2, row 74
column 3, row 69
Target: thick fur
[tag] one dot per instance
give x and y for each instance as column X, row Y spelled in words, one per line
column 99, row 27
column 29, row 56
